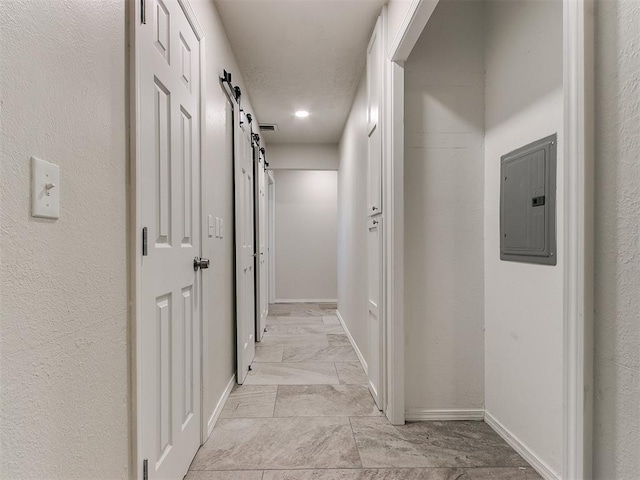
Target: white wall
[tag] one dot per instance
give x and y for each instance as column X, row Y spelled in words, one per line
column 64, row 349
column 307, row 156
column 523, row 302
column 617, row 282
column 306, row 204
column 397, row 11
column 352, row 222
column 444, row 151
column 219, row 280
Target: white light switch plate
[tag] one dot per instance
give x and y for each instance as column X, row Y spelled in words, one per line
column 210, row 225
column 45, row 189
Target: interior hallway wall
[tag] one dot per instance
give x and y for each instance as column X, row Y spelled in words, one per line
column 219, row 280
column 64, row 349
column 352, row 222
column 444, row 273
column 617, row 281
column 306, row 156
column 306, row 204
column 523, row 302
column 397, row 12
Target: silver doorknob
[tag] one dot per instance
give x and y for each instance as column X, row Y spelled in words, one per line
column 200, row 263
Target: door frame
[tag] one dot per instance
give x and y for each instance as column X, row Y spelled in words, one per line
column 578, row 246
column 271, row 241
column 135, row 226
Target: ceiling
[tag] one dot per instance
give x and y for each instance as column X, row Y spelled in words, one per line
column 300, row 55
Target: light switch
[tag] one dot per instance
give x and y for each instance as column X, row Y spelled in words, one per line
column 220, row 229
column 210, row 225
column 45, row 189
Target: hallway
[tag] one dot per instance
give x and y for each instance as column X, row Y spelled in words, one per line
column 305, row 413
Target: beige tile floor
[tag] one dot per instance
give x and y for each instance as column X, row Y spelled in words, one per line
column 305, row 413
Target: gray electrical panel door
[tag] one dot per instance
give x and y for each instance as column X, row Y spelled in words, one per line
column 528, row 203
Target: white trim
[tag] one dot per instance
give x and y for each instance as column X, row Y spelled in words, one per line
column 525, row 452
column 213, row 419
column 307, row 300
column 365, row 367
column 271, row 192
column 412, row 26
column 393, row 148
column 427, row 414
column 578, row 51
column 134, row 240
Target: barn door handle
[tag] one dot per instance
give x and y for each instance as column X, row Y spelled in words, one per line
column 200, row 263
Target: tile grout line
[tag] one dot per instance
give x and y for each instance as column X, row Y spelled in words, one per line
column 273, row 412
column 355, row 442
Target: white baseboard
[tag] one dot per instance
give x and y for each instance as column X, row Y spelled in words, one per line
column 307, row 300
column 353, row 343
column 540, row 466
column 425, row 414
column 218, row 410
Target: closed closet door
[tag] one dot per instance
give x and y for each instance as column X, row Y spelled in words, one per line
column 374, row 132
column 170, row 288
column 245, row 251
column 374, row 198
column 374, row 325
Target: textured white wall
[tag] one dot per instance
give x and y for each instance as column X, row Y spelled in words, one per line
column 617, row 282
column 219, row 280
column 306, row 204
column 523, row 302
column 64, row 346
column 352, row 222
column 444, row 151
column 306, row 156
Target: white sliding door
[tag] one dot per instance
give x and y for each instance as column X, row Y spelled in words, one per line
column 245, row 252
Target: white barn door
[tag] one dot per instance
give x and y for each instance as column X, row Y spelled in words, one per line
column 169, row 210
column 261, row 239
column 245, row 251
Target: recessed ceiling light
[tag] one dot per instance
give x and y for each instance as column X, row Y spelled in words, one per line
column 302, row 114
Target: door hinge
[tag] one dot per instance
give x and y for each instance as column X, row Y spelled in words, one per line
column 144, row 241
column 145, row 469
column 143, row 12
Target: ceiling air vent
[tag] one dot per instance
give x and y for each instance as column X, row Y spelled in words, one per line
column 268, row 127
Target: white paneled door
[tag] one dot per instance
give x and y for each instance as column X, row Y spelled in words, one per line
column 261, row 239
column 245, row 251
column 374, row 326
column 374, row 101
column 169, row 209
column 374, row 195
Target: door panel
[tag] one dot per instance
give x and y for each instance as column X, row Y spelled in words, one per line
column 261, row 236
column 170, row 302
column 374, row 327
column 374, row 100
column 374, row 211
column 245, row 252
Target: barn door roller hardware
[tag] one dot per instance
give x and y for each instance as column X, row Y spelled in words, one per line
column 226, row 78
